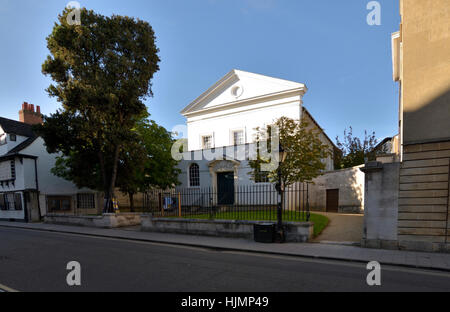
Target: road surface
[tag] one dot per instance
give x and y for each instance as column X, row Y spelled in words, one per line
column 37, row 261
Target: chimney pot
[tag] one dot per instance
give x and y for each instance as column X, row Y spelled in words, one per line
column 29, row 116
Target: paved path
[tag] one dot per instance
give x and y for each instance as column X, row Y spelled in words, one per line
column 343, row 228
column 324, row 251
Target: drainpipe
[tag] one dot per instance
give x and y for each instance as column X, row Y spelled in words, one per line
column 37, row 188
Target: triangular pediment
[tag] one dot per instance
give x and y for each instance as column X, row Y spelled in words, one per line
column 239, row 86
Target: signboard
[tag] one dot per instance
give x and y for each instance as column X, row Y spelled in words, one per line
column 5, row 171
column 170, row 203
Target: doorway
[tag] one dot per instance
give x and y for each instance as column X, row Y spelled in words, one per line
column 333, row 200
column 225, row 188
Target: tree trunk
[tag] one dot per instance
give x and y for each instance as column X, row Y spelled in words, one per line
column 107, row 197
column 131, row 196
column 109, row 208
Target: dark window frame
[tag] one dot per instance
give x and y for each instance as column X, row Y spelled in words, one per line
column 83, row 202
column 11, row 202
column 59, row 199
column 3, row 203
column 194, row 175
column 209, row 142
column 18, row 202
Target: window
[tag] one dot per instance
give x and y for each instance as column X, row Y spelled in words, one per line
column 13, row 169
column 85, row 201
column 194, row 175
column 57, row 203
column 238, row 137
column 11, row 201
column 7, row 170
column 3, row 205
column 207, row 142
column 13, row 137
column 17, row 201
column 3, row 139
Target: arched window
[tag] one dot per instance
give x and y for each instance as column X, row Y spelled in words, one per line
column 194, row 175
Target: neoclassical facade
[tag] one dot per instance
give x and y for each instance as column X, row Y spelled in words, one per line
column 222, row 124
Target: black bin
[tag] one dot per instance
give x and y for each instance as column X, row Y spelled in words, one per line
column 265, row 233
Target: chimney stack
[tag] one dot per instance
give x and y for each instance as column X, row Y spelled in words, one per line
column 29, row 116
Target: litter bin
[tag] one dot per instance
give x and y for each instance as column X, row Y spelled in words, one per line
column 265, row 233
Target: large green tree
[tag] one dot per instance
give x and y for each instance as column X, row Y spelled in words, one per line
column 305, row 152
column 147, row 162
column 102, row 71
column 355, row 151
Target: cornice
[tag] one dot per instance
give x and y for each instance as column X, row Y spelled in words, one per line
column 236, row 104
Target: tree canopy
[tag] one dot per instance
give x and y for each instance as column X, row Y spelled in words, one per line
column 305, row 152
column 147, row 162
column 355, row 151
column 102, row 71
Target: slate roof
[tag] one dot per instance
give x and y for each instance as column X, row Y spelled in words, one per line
column 16, row 127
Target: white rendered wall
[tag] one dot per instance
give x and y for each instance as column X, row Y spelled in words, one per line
column 5, row 148
column 222, row 124
column 49, row 184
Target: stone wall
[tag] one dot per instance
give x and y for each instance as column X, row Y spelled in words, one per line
column 423, row 221
column 425, row 79
column 295, row 232
column 381, row 205
column 349, row 182
column 107, row 221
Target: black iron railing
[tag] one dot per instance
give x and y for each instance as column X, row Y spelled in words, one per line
column 253, row 202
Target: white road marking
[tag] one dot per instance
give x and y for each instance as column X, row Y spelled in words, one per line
column 4, row 288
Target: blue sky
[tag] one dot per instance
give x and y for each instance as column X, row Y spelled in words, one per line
column 326, row 44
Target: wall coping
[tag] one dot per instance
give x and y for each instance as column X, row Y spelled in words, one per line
column 91, row 217
column 372, row 167
column 238, row 222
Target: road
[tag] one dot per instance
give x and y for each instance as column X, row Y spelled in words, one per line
column 37, row 261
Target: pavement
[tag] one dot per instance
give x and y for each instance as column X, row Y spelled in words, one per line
column 422, row 260
column 343, row 228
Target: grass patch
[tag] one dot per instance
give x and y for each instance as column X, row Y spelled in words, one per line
column 320, row 221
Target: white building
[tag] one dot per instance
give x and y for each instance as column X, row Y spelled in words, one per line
column 28, row 189
column 226, row 116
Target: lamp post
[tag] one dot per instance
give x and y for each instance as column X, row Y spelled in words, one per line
column 280, row 189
